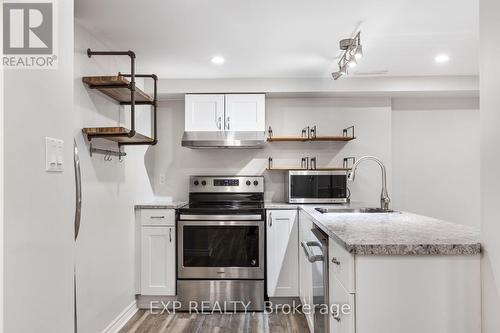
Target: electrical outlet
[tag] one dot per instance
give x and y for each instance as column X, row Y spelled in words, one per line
column 163, row 178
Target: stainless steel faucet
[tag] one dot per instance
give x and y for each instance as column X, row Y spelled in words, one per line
column 384, row 196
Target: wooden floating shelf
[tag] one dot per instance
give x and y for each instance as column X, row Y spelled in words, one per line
column 302, row 139
column 117, row 87
column 302, row 169
column 116, row 134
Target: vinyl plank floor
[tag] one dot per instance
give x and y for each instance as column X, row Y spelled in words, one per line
column 145, row 322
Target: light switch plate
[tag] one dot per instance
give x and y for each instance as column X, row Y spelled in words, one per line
column 54, row 155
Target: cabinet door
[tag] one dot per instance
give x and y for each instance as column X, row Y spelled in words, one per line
column 342, row 265
column 204, row 113
column 342, row 316
column 305, row 269
column 282, row 253
column 245, row 112
column 158, row 261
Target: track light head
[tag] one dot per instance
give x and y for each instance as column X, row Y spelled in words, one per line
column 352, row 52
column 346, row 44
column 337, row 75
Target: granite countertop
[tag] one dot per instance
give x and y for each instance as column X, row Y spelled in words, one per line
column 161, row 205
column 280, row 205
column 399, row 233
column 286, row 205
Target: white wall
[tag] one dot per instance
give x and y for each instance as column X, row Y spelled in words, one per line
column 372, row 118
column 490, row 159
column 436, row 159
column 39, row 206
column 421, row 141
column 105, row 246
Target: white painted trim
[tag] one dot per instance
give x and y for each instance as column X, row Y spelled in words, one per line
column 120, row 321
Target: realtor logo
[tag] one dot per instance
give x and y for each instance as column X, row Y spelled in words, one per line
column 28, row 35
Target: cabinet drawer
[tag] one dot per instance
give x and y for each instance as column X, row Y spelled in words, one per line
column 276, row 215
column 341, row 265
column 158, row 217
column 342, row 321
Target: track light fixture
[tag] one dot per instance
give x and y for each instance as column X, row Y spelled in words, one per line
column 353, row 51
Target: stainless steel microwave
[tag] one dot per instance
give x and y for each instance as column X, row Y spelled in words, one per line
column 316, row 186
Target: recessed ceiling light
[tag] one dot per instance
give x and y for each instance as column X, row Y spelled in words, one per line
column 442, row 58
column 218, row 60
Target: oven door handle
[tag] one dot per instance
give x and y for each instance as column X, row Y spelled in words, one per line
column 235, row 217
column 309, row 253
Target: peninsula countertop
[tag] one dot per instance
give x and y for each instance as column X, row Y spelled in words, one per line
column 398, row 233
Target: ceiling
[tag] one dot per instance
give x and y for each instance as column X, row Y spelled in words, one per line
column 287, row 38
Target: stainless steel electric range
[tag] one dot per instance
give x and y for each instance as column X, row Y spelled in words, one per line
column 221, row 236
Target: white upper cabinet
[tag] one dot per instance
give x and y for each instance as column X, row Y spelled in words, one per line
column 230, row 112
column 204, row 113
column 245, row 112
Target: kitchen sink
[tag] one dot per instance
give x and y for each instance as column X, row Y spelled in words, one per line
column 355, row 210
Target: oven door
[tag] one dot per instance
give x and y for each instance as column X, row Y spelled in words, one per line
column 317, row 186
column 220, row 249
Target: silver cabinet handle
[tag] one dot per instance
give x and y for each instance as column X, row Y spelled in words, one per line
column 219, row 123
column 309, row 253
column 78, row 189
column 157, row 217
column 282, row 218
column 270, row 219
column 335, row 261
column 227, row 122
column 170, row 235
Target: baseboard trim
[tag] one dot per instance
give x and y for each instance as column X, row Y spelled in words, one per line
column 117, row 324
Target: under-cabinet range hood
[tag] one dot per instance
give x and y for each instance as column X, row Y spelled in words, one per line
column 224, row 139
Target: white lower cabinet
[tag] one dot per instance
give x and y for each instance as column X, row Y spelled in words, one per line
column 282, row 253
column 411, row 294
column 394, row 293
column 157, row 260
column 342, row 314
column 305, row 269
column 341, row 289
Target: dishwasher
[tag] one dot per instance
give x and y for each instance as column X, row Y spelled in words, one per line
column 317, row 253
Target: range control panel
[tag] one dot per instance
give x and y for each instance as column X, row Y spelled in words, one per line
column 226, row 182
column 235, row 184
